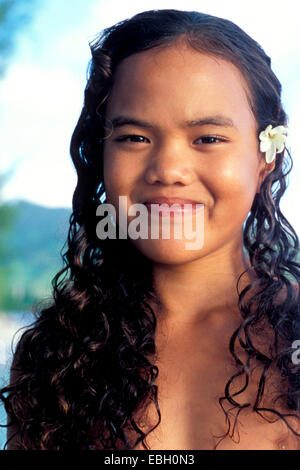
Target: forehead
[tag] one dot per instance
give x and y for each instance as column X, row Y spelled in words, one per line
column 178, row 80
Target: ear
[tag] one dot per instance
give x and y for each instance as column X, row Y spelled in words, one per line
column 264, row 169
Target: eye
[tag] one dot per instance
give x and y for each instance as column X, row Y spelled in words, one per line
column 210, row 139
column 132, row 138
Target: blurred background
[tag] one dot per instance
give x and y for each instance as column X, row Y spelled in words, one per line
column 44, row 54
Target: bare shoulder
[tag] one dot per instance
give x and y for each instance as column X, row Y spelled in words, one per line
column 294, row 436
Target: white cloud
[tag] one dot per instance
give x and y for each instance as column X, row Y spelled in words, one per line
column 38, row 112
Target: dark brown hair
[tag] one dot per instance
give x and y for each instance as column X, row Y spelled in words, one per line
column 85, row 367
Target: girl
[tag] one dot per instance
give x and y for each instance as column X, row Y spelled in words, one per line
column 148, row 344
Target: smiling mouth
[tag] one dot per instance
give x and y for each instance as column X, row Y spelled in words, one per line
column 173, row 209
column 170, row 201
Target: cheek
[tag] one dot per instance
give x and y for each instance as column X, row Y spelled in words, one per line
column 237, row 177
column 118, row 177
column 234, row 187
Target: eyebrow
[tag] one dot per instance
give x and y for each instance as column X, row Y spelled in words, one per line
column 217, row 120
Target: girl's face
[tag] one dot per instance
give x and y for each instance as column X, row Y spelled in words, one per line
column 183, row 128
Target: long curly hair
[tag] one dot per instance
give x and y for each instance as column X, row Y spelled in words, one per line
column 86, row 366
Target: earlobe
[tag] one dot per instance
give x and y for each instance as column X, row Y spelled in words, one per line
column 265, row 170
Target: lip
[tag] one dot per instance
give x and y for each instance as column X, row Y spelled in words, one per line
column 182, row 206
column 170, row 201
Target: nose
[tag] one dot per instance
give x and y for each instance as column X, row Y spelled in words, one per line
column 169, row 165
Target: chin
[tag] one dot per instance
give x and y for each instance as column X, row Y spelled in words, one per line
column 168, row 251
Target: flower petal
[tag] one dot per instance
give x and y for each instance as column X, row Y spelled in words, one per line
column 268, row 128
column 270, row 154
column 265, row 145
column 279, row 149
column 278, row 140
column 264, row 135
column 272, row 141
column 278, row 130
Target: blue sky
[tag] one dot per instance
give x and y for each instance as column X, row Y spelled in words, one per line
column 42, row 91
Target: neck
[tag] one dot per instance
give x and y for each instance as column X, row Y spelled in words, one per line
column 200, row 290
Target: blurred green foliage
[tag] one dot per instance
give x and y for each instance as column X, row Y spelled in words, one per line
column 7, row 217
column 30, row 254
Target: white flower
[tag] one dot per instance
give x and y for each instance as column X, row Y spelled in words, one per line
column 272, row 141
